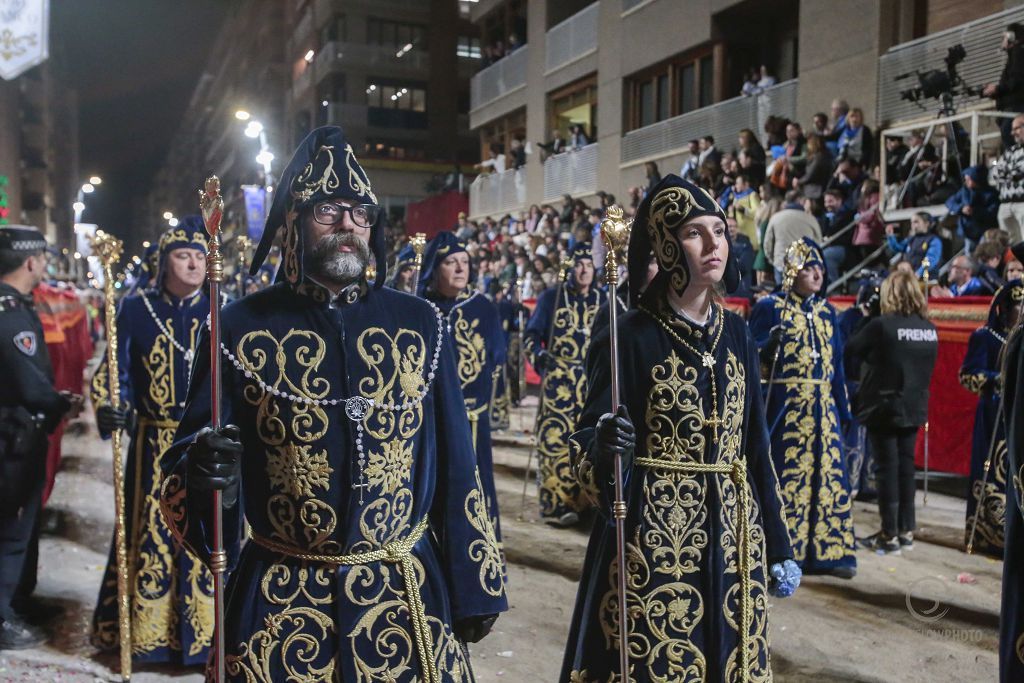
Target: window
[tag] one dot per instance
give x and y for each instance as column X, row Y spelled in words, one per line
column 574, row 104
column 674, row 87
column 392, row 95
column 389, row 149
column 394, row 34
column 396, row 104
column 707, row 81
column 334, row 30
column 468, row 47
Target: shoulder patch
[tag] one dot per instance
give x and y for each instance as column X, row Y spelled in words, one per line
column 9, row 303
column 26, row 342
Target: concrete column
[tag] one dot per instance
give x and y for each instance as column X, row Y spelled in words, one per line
column 610, row 98
column 839, row 47
column 536, row 98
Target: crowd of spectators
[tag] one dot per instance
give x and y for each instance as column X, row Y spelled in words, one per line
column 824, row 182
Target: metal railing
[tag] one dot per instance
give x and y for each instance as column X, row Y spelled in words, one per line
column 723, row 120
column 856, row 270
column 499, row 79
column 572, row 173
column 497, row 193
column 571, row 39
column 336, row 53
column 983, row 64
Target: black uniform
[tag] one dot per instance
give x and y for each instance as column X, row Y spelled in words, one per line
column 30, row 408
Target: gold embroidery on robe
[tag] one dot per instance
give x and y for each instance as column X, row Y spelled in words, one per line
column 666, row 552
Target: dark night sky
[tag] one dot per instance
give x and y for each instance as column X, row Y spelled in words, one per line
column 134, row 64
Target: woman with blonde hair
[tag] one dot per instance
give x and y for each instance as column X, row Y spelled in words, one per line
column 897, row 351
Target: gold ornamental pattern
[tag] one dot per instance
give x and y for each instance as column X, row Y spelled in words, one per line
column 667, row 550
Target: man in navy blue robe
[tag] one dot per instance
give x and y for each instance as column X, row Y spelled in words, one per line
column 170, row 591
column 371, row 555
column 979, row 374
column 557, row 339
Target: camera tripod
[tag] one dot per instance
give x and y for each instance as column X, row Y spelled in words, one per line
column 947, row 109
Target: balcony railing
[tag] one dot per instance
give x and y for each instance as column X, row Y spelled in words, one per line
column 336, row 53
column 983, row 64
column 498, row 193
column 572, row 173
column 572, row 38
column 723, row 121
column 499, row 79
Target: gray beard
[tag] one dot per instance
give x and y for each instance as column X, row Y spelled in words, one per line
column 328, row 263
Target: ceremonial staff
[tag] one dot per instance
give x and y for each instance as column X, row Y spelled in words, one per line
column 563, row 274
column 108, row 249
column 419, row 243
column 520, row 351
column 212, row 205
column 984, row 478
column 615, row 231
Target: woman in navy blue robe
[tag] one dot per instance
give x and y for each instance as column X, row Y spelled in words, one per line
column 979, row 374
column 696, row 459
column 475, row 329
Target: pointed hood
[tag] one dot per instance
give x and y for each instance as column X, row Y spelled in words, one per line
column 670, row 204
column 323, row 167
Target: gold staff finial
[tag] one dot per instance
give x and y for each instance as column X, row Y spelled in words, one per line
column 615, row 231
column 211, row 203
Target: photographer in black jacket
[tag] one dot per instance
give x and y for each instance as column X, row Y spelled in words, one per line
column 897, row 352
column 1009, row 91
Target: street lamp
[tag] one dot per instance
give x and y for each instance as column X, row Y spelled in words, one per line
column 172, row 221
column 168, row 215
column 242, row 115
column 254, row 129
column 96, row 180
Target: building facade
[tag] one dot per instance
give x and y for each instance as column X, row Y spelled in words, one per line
column 245, row 72
column 395, row 75
column 643, row 77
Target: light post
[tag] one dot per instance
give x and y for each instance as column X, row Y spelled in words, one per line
column 86, row 188
column 254, row 129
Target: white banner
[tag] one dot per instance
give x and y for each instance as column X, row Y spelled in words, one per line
column 24, row 35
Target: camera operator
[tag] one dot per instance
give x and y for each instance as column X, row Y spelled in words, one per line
column 897, row 350
column 1009, row 91
column 30, row 408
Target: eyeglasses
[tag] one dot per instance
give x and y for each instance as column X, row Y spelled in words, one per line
column 329, row 213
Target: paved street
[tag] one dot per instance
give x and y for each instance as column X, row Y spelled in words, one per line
column 844, row 631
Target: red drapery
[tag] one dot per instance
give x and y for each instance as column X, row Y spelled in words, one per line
column 434, row 214
column 66, row 328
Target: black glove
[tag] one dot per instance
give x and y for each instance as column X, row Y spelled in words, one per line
column 215, row 463
column 615, row 436
column 543, row 362
column 769, row 350
column 473, row 629
column 110, row 419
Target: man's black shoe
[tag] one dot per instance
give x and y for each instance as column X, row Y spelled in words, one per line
column 15, row 634
column 882, row 544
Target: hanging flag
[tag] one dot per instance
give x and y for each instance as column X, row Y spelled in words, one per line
column 255, row 210
column 24, row 36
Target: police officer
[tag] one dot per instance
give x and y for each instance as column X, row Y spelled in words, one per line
column 30, row 408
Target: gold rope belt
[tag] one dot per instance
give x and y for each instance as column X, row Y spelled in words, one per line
column 397, row 552
column 474, row 420
column 800, row 380
column 157, row 424
column 737, row 469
